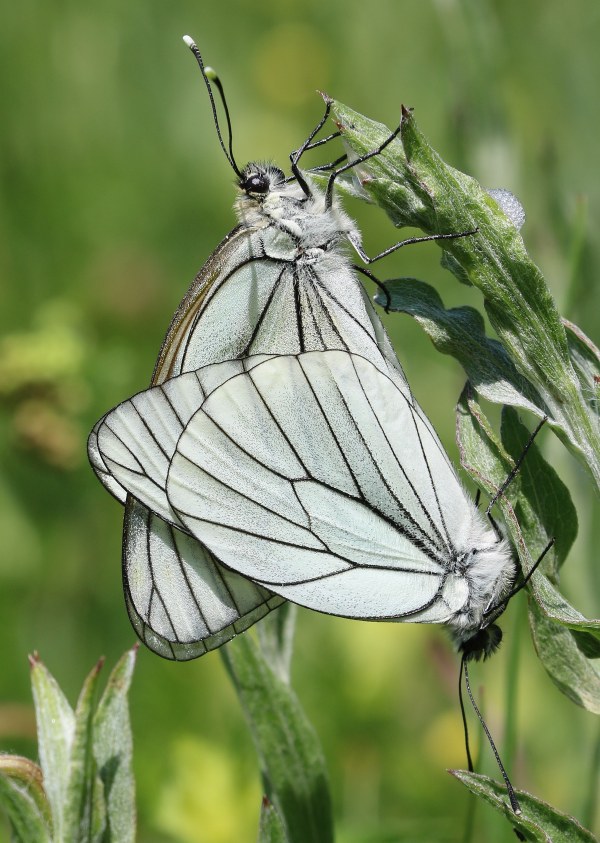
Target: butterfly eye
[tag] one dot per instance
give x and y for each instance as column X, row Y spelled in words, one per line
column 256, row 183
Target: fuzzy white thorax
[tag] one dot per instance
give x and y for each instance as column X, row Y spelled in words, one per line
column 307, row 220
column 489, row 570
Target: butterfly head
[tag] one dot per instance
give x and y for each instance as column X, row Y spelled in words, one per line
column 257, row 181
column 482, row 644
column 490, row 572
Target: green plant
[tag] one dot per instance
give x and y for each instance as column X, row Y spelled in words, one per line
column 83, row 790
column 539, row 364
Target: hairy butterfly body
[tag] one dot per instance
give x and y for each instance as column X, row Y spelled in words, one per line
column 315, row 476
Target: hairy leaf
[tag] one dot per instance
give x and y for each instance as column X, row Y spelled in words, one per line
column 416, row 188
column 538, row 821
column 113, row 749
column 488, row 462
column 292, row 762
column 460, row 332
column 56, row 728
column 23, row 800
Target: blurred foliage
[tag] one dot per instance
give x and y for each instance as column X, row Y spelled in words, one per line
column 114, row 191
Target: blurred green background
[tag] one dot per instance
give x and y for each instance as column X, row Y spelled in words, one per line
column 114, row 192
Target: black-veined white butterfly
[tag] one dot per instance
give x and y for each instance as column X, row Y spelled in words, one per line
column 280, row 283
column 317, row 477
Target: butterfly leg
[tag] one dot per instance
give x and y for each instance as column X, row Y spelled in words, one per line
column 408, row 242
column 354, row 163
column 308, row 144
column 514, row 471
column 379, row 283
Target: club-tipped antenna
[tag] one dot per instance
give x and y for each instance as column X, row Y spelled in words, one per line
column 209, row 75
column 514, row 802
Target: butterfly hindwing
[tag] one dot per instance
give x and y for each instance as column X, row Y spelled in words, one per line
column 181, row 601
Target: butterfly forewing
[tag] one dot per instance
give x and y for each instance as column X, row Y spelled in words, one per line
column 361, row 561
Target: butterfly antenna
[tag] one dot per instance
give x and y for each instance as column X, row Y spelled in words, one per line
column 463, row 714
column 514, row 802
column 209, row 75
column 513, row 473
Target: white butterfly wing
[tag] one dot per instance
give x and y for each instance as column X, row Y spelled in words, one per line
column 101, row 469
column 243, row 302
column 250, row 303
column 135, row 442
column 340, row 522
column 181, row 601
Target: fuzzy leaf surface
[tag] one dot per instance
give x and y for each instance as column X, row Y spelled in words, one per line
column 291, row 758
column 538, row 822
column 417, row 188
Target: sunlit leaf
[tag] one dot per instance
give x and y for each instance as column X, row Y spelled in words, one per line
column 291, row 759
column 538, row 821
column 84, row 815
column 56, row 728
column 570, row 656
column 113, row 747
column 416, row 188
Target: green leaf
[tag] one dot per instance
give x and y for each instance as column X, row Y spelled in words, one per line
column 23, row 799
column 292, row 762
column 416, row 188
column 487, row 461
column 84, row 812
column 544, row 506
column 481, row 453
column 540, row 499
column 570, row 658
column 538, row 820
column 271, row 828
column 544, row 509
column 113, row 748
column 55, row 728
column 86, row 755
column 586, row 362
column 276, row 639
column 460, row 332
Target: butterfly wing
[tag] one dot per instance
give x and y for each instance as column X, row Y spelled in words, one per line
column 246, row 302
column 333, row 505
column 181, row 601
column 315, row 477
column 242, row 302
